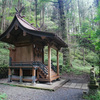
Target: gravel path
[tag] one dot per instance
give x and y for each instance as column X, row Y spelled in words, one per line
column 19, row 93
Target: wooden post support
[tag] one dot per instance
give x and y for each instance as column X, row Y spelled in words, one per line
column 43, row 55
column 21, row 75
column 49, row 62
column 38, row 74
column 57, row 62
column 32, row 56
column 33, row 75
column 9, row 75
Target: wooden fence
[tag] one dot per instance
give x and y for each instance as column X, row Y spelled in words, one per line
column 3, row 72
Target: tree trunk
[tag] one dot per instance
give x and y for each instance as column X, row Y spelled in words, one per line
column 66, row 57
column 79, row 16
column 19, row 5
column 36, row 12
column 3, row 15
column 99, row 68
column 99, row 51
column 83, row 56
column 42, row 17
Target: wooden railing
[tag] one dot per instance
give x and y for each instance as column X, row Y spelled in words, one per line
column 42, row 66
column 32, row 64
column 21, row 64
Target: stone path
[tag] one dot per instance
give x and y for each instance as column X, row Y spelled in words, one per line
column 20, row 93
column 82, row 86
column 44, row 86
column 69, row 91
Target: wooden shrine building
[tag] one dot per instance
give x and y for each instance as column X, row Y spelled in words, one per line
column 26, row 58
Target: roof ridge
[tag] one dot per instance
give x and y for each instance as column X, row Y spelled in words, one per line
column 26, row 22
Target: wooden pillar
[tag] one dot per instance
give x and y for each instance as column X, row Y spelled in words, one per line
column 38, row 74
column 57, row 63
column 32, row 55
column 49, row 62
column 33, row 75
column 21, row 75
column 43, row 55
column 9, row 75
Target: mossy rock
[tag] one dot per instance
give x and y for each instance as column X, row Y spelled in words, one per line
column 93, row 86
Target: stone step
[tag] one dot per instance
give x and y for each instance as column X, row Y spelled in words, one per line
column 84, row 86
column 72, row 85
column 76, row 86
column 66, row 85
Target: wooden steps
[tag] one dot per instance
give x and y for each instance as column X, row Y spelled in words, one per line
column 45, row 77
column 54, row 78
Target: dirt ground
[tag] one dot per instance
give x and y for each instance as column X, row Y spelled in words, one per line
column 19, row 93
column 84, row 78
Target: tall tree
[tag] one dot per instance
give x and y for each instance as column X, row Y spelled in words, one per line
column 79, row 15
column 36, row 4
column 66, row 56
column 98, row 35
column 3, row 15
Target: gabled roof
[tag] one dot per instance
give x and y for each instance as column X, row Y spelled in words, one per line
column 23, row 25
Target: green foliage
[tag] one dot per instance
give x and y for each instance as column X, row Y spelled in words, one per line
column 78, row 65
column 95, row 37
column 3, row 96
column 53, row 57
column 76, row 70
column 65, row 68
column 85, row 27
column 92, row 58
column 9, row 18
column 44, row 1
column 93, row 97
column 4, row 54
column 89, row 39
column 52, row 26
column 85, row 41
column 77, row 56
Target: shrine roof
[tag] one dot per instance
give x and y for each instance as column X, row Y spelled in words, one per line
column 19, row 25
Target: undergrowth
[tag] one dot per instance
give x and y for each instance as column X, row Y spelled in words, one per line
column 93, row 97
column 3, row 96
column 78, row 69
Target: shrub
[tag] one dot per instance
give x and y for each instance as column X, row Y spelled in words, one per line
column 3, row 96
column 3, row 72
column 93, row 97
column 92, row 58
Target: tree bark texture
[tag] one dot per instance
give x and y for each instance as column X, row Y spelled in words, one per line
column 36, row 12
column 3, row 15
column 66, row 54
column 79, row 16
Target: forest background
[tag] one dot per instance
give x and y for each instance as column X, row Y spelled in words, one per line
column 77, row 22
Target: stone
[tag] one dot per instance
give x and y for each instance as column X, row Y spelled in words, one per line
column 84, row 86
column 93, row 85
column 78, row 86
column 72, row 85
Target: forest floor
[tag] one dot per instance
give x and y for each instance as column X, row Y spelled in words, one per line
column 63, row 93
column 19, row 93
column 73, row 78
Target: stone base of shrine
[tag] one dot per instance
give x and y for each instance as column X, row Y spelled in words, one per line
column 44, row 86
